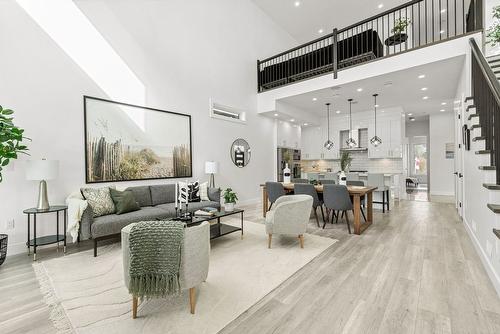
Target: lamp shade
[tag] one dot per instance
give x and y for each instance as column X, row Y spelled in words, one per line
column 211, row 167
column 38, row 170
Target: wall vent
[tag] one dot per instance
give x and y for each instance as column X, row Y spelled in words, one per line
column 227, row 113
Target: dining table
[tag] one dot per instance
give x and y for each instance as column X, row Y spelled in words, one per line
column 356, row 192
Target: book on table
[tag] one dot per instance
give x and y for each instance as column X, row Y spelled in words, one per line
column 206, row 211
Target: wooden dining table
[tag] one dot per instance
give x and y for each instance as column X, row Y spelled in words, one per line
column 355, row 191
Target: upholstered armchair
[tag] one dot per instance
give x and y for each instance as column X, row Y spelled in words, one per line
column 289, row 215
column 194, row 260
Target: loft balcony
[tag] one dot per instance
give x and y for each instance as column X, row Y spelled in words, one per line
column 408, row 27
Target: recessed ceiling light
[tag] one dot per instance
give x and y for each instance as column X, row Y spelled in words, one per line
column 442, row 110
column 306, row 124
column 442, row 32
column 292, row 120
column 382, row 110
column 359, row 89
column 338, row 111
column 443, row 103
column 443, row 10
column 410, row 114
column 423, row 88
column 296, row 3
column 275, row 115
column 421, row 76
column 425, row 97
column 412, row 119
column 380, row 6
column 320, row 31
column 315, row 99
column 377, row 105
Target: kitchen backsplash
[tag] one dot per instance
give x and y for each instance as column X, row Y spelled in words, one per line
column 360, row 161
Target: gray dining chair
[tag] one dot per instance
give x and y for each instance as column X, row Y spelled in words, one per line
column 362, row 198
column 378, row 180
column 274, row 191
column 300, row 181
column 327, row 181
column 308, row 189
column 336, row 198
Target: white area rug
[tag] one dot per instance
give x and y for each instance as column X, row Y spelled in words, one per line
column 88, row 295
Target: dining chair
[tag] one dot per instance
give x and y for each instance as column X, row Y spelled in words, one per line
column 300, row 181
column 352, row 177
column 378, row 180
column 308, row 189
column 274, row 191
column 336, row 198
column 362, row 198
column 326, row 181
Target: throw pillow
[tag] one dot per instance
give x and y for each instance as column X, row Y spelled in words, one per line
column 99, row 200
column 204, row 191
column 124, row 201
column 191, row 191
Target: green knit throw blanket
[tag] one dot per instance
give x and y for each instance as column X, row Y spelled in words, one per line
column 155, row 258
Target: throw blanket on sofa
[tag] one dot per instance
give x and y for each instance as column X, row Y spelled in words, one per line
column 76, row 206
column 155, row 258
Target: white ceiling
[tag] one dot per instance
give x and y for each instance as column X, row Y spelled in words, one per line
column 304, row 21
column 404, row 90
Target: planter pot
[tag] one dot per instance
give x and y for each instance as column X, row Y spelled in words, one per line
column 228, row 207
column 342, row 178
column 396, row 39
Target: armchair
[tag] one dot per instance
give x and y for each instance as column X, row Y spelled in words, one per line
column 289, row 215
column 194, row 260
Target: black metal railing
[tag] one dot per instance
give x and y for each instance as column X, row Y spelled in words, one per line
column 486, row 97
column 409, row 26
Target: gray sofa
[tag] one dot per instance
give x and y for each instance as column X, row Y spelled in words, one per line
column 156, row 201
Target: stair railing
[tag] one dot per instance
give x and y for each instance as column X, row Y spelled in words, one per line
column 486, row 97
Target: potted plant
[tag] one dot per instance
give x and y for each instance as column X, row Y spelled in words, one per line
column 345, row 163
column 11, row 139
column 230, row 199
column 398, row 30
column 493, row 32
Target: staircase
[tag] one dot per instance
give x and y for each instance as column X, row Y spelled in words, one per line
column 483, row 118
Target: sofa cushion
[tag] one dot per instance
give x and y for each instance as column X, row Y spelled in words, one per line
column 124, row 201
column 100, row 200
column 162, row 193
column 112, row 224
column 214, row 194
column 142, row 195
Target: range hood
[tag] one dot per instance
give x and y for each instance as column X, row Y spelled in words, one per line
column 359, row 135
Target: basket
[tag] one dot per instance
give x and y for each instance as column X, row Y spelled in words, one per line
column 3, row 247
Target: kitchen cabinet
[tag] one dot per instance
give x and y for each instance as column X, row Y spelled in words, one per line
column 312, row 148
column 389, row 130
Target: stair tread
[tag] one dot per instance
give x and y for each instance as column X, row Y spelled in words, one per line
column 483, row 152
column 487, row 167
column 470, row 107
column 491, row 186
column 475, row 126
column 494, row 207
column 468, row 98
column 478, row 138
column 471, row 116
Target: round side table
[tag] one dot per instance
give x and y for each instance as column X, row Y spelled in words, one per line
column 48, row 239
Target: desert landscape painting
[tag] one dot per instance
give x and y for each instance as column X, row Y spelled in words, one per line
column 125, row 142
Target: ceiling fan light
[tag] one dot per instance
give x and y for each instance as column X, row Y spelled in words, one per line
column 328, row 144
column 376, row 141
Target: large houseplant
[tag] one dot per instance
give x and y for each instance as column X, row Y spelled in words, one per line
column 230, row 199
column 11, row 139
column 399, row 36
column 493, row 32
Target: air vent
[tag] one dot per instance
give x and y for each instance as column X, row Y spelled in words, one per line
column 227, row 113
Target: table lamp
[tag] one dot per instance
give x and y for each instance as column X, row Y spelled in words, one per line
column 42, row 170
column 211, row 167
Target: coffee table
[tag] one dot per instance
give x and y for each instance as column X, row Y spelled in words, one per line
column 218, row 229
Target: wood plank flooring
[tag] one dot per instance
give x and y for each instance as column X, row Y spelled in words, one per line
column 413, row 271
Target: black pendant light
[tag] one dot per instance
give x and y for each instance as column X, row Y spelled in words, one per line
column 375, row 141
column 328, row 144
column 351, row 143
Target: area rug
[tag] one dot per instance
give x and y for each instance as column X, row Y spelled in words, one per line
column 87, row 294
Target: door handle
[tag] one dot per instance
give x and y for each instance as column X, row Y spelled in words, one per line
column 456, row 173
column 460, row 175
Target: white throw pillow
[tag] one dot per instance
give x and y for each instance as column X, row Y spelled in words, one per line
column 204, row 191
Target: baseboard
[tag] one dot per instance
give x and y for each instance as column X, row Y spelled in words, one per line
column 442, row 193
column 494, row 278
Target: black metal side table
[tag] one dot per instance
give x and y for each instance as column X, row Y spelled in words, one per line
column 48, row 239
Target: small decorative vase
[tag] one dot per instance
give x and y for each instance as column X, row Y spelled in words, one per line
column 342, row 178
column 228, row 207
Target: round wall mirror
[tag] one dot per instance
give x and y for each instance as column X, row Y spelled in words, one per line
column 240, row 152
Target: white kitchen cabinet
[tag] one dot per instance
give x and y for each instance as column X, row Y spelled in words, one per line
column 389, row 130
column 396, row 150
column 311, row 143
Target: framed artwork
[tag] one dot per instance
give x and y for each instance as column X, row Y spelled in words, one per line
column 125, row 142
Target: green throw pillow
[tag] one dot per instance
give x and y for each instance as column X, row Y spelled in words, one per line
column 124, row 201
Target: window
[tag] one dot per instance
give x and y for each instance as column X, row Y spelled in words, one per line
column 420, row 159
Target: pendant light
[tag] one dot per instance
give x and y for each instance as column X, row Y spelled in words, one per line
column 351, row 143
column 375, row 141
column 328, row 144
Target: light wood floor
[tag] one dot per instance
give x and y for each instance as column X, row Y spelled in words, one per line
column 413, row 271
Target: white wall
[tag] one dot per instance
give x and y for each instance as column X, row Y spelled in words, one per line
column 289, row 134
column 441, row 131
column 182, row 52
